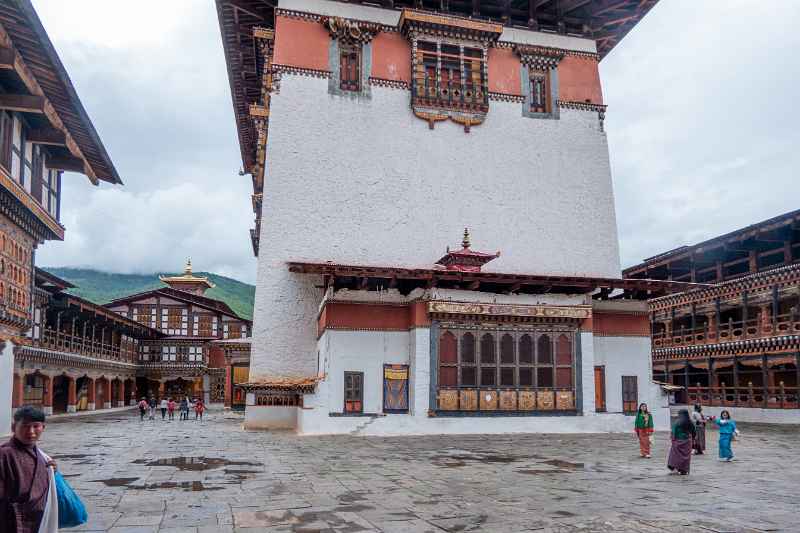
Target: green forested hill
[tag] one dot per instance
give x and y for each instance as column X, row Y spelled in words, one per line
column 102, row 287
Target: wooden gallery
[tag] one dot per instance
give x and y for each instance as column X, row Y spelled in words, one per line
column 374, row 134
column 736, row 344
column 44, row 130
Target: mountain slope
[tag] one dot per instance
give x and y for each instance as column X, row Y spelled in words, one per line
column 102, row 287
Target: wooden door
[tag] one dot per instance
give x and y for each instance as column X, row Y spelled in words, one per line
column 600, row 389
column 353, row 392
column 395, row 388
column 630, row 394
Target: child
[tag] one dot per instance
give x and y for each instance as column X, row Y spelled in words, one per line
column 727, row 429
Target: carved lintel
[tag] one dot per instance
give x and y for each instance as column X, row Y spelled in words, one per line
column 539, row 56
column 351, row 30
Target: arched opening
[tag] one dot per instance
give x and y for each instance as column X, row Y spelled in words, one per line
column 82, row 386
column 61, row 394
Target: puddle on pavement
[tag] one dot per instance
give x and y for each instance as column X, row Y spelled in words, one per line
column 558, row 463
column 127, row 482
column 534, row 472
column 457, row 460
column 194, row 464
column 69, row 456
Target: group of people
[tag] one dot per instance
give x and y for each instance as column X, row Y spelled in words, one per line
column 688, row 436
column 168, row 407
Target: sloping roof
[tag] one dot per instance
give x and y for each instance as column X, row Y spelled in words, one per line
column 47, row 280
column 202, row 301
column 20, row 21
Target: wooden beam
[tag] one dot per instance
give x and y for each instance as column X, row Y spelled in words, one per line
column 24, row 103
column 68, row 163
column 7, row 58
column 244, row 8
column 48, row 136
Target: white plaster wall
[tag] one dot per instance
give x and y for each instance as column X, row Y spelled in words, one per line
column 364, row 181
column 587, row 373
column 391, row 17
column 6, row 387
column 360, row 351
column 630, row 356
column 437, row 293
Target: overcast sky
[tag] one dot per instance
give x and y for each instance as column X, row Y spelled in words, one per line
column 702, row 129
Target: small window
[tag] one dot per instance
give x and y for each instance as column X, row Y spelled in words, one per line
column 349, row 66
column 630, row 394
column 540, row 88
column 353, row 392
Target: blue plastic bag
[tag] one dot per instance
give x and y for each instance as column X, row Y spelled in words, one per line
column 71, row 511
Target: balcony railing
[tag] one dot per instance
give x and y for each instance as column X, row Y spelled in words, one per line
column 786, row 324
column 64, row 342
column 780, row 397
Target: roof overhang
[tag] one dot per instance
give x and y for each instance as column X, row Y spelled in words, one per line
column 28, row 54
column 365, row 277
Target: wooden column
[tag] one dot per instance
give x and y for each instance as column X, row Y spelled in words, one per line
column 735, row 382
column 120, row 393
column 18, row 394
column 91, row 388
column 753, row 261
column 717, row 314
column 47, row 395
column 228, row 383
column 72, row 395
column 776, row 308
column 693, row 310
column 765, row 379
column 712, row 327
column 744, row 313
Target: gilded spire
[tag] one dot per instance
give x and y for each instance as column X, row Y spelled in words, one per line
column 188, row 269
column 465, row 242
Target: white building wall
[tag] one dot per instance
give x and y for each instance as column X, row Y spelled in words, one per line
column 630, row 356
column 6, row 387
column 364, row 181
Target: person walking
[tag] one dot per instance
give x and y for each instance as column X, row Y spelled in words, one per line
column 185, row 408
column 142, row 409
column 164, row 405
column 199, row 408
column 699, row 421
column 644, row 430
column 680, row 453
column 727, row 431
column 28, row 502
column 171, row 409
column 152, row 404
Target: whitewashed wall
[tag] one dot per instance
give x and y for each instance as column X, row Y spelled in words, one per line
column 364, row 181
column 6, row 387
column 630, row 356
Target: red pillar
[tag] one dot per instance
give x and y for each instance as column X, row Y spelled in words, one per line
column 228, row 385
column 72, row 395
column 120, row 393
column 18, row 393
column 47, row 395
column 106, row 393
column 90, row 394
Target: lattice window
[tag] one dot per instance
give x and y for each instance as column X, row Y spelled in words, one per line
column 540, row 91
column 353, row 392
column 450, row 76
column 630, row 394
column 349, row 66
column 205, row 326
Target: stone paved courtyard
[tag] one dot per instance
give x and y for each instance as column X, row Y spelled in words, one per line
column 212, row 476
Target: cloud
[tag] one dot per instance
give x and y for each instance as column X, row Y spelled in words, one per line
column 702, row 130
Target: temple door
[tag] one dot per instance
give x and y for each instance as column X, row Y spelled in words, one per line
column 395, row 388
column 353, row 392
column 600, row 388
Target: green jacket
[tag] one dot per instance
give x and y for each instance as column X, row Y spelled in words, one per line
column 644, row 420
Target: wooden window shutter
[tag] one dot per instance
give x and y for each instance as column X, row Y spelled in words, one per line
column 36, row 176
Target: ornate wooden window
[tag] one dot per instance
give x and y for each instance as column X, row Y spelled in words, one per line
column 540, row 91
column 205, row 326
column 449, row 70
column 349, row 66
column 395, row 388
column 353, row 392
column 6, row 125
column 506, row 368
column 630, row 394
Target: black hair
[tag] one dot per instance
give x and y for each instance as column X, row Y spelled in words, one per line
column 684, row 422
column 698, row 408
column 725, row 412
column 643, row 404
column 28, row 413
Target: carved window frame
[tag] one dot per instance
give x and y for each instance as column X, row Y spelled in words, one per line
column 349, row 35
column 539, row 65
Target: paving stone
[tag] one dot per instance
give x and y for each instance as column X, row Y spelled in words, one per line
column 202, row 478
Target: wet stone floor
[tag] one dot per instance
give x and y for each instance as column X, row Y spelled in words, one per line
column 212, row 476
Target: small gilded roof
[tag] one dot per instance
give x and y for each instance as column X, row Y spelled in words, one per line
column 465, row 259
column 187, row 277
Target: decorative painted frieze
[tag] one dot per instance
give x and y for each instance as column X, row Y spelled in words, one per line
column 531, row 311
column 351, row 30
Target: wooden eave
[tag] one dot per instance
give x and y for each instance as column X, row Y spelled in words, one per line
column 83, row 307
column 43, row 74
column 363, row 276
column 46, row 280
column 753, row 232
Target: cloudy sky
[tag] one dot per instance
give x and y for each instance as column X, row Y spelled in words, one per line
column 702, row 129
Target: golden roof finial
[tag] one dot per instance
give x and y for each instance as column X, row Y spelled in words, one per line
column 188, row 269
column 465, row 242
